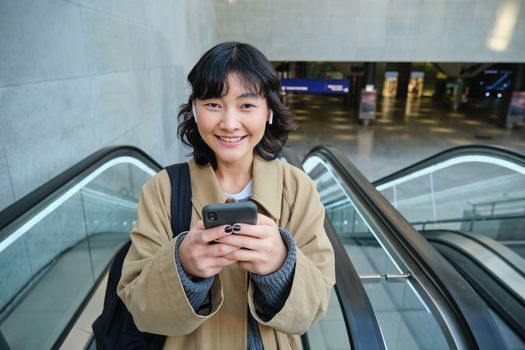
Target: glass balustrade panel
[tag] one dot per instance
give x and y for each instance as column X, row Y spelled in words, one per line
column 468, row 194
column 50, row 260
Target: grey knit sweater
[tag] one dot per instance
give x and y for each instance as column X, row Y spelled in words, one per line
column 270, row 294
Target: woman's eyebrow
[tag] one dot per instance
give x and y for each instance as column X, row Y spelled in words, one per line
column 251, row 95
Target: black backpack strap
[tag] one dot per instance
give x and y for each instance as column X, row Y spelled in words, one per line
column 180, row 197
column 115, row 328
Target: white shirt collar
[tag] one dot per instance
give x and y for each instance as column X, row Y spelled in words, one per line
column 244, row 194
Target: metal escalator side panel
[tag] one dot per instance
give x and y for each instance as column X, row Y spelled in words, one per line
column 514, row 260
column 511, row 320
column 491, row 262
column 494, row 279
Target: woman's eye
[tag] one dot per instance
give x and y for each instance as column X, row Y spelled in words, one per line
column 212, row 105
column 247, row 106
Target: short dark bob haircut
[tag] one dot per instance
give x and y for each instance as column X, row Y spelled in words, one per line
column 208, row 79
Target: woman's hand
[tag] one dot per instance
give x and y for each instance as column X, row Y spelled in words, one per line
column 262, row 250
column 200, row 258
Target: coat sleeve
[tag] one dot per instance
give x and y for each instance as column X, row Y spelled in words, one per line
column 314, row 274
column 150, row 285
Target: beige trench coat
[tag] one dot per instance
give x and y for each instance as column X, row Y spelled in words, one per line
column 151, row 288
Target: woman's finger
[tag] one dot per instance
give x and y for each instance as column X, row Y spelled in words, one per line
column 241, row 241
column 215, row 233
column 257, row 231
column 221, row 249
column 222, row 262
column 244, row 255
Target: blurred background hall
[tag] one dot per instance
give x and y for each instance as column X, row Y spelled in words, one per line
column 79, row 75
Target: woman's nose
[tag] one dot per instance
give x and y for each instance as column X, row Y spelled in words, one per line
column 230, row 120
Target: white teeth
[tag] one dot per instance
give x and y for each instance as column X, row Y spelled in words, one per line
column 231, row 139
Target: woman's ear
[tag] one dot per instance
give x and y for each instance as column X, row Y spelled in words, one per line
column 270, row 117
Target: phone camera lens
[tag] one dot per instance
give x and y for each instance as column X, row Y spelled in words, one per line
column 212, row 216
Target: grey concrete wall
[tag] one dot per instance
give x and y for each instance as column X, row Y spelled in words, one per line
column 79, row 75
column 378, row 30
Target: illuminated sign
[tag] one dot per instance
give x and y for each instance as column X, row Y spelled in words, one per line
column 316, row 86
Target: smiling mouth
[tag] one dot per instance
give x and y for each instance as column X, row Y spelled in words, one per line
column 230, row 139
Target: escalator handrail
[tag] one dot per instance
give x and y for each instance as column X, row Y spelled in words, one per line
column 25, row 204
column 468, row 150
column 360, row 320
column 471, row 312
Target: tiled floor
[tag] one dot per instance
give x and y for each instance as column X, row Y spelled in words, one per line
column 403, row 133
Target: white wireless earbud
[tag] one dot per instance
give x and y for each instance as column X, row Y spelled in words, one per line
column 194, row 113
column 270, row 118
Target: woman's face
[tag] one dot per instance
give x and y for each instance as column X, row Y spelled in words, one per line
column 233, row 124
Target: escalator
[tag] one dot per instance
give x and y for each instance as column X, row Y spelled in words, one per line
column 420, row 300
column 393, row 290
column 469, row 202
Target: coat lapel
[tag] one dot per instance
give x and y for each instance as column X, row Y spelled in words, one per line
column 267, row 186
column 205, row 187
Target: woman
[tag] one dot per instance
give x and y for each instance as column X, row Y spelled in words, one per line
column 240, row 286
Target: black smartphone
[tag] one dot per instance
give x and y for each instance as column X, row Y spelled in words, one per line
column 229, row 213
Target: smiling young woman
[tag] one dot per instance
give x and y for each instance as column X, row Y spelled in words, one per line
column 240, row 286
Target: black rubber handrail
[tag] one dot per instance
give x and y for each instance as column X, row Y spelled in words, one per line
column 361, row 323
column 25, row 204
column 466, row 307
column 495, row 151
